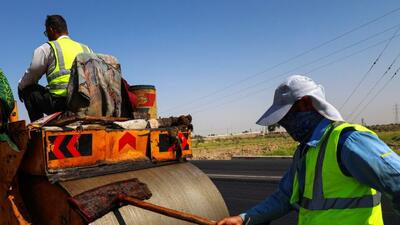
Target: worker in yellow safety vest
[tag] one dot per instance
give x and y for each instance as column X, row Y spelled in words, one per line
column 339, row 170
column 54, row 58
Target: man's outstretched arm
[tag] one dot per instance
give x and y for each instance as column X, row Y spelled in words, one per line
column 370, row 161
column 273, row 207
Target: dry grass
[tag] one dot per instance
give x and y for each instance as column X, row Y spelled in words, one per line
column 259, row 145
column 276, row 144
column 392, row 139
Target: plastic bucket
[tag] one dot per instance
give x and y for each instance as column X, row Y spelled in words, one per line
column 146, row 99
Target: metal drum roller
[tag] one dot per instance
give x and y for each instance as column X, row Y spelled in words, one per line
column 65, row 163
column 180, row 186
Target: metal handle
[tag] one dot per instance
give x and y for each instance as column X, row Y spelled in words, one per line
column 166, row 211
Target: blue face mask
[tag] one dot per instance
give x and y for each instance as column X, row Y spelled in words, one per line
column 300, row 125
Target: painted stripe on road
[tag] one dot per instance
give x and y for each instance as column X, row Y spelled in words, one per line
column 243, row 177
column 256, row 157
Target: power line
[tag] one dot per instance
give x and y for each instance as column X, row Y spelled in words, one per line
column 345, row 57
column 378, row 93
column 202, row 108
column 289, row 59
column 233, row 100
column 315, row 69
column 369, row 70
column 396, row 114
column 308, row 63
column 375, row 85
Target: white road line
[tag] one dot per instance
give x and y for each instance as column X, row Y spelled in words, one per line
column 243, row 177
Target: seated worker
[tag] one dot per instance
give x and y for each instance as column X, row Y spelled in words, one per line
column 54, row 58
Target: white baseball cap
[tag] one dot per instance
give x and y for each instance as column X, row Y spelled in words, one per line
column 292, row 89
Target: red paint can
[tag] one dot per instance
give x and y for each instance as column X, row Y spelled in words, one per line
column 146, row 99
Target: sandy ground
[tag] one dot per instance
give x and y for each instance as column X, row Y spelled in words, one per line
column 278, row 144
column 226, row 153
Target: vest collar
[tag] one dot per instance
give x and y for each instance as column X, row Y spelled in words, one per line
column 318, row 133
column 62, row 36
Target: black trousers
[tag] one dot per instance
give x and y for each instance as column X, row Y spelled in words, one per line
column 39, row 101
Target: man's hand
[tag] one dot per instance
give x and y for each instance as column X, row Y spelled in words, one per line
column 234, row 220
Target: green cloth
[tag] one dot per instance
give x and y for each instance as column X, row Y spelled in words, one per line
column 6, row 107
column 6, row 94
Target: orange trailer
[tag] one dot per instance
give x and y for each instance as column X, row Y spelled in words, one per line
column 64, row 161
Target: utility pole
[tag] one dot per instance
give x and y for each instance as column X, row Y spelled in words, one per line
column 363, row 122
column 396, row 113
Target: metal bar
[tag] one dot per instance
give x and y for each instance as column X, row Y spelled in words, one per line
column 167, row 212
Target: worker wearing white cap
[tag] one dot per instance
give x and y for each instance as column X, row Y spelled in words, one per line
column 339, row 169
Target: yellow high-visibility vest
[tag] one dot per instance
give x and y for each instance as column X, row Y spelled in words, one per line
column 324, row 195
column 65, row 50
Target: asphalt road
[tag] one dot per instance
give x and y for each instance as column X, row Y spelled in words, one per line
column 244, row 183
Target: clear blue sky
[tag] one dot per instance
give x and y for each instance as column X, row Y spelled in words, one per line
column 198, row 53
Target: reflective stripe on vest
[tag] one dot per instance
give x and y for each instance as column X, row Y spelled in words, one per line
column 342, row 203
column 310, row 196
column 58, row 78
column 319, row 202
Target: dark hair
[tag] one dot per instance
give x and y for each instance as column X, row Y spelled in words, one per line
column 57, row 22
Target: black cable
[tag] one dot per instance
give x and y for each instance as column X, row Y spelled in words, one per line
column 287, row 60
column 233, row 100
column 369, row 70
column 378, row 93
column 303, row 65
column 202, row 108
column 345, row 57
column 264, row 89
column 374, row 86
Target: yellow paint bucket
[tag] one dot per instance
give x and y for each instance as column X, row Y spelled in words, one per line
column 146, row 100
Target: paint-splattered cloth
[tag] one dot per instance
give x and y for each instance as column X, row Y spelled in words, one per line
column 94, row 88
